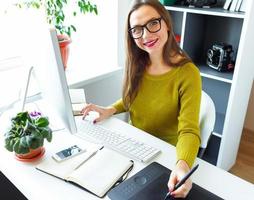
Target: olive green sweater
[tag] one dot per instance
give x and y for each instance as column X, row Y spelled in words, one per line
column 167, row 106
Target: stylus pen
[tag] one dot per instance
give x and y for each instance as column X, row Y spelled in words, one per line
column 181, row 182
column 88, row 158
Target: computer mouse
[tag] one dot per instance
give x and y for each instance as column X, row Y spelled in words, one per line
column 92, row 115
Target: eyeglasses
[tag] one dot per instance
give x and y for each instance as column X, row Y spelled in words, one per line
column 152, row 26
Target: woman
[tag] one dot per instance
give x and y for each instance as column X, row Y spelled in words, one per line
column 162, row 87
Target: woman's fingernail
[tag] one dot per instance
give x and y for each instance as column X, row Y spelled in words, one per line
column 94, row 121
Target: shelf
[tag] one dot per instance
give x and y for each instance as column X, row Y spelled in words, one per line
column 219, row 123
column 219, row 92
column 217, row 134
column 209, row 72
column 212, row 150
column 201, row 30
column 207, row 11
column 177, row 18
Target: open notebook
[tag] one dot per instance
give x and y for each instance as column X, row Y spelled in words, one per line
column 101, row 170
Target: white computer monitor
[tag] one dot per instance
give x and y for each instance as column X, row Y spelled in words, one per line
column 50, row 74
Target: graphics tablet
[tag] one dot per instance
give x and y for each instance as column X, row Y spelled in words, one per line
column 151, row 183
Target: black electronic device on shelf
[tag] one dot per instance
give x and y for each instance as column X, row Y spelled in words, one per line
column 202, row 3
column 196, row 3
column 219, row 57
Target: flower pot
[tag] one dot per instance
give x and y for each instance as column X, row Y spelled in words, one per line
column 33, row 155
column 64, row 42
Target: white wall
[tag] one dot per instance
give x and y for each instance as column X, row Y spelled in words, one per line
column 94, row 43
column 106, row 91
column 123, row 7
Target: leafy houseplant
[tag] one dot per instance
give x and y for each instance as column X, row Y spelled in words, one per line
column 27, row 133
column 55, row 12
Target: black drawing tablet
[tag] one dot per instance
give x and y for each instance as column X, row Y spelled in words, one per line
column 151, row 183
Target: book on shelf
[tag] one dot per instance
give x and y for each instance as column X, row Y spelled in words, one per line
column 238, row 5
column 243, row 6
column 233, row 5
column 227, row 4
column 96, row 171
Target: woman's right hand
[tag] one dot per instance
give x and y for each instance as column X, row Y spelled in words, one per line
column 104, row 112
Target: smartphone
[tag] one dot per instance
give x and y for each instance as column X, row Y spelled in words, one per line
column 68, row 153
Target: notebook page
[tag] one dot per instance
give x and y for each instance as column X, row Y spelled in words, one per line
column 101, row 172
column 63, row 169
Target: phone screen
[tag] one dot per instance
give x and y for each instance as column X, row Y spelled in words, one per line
column 73, row 150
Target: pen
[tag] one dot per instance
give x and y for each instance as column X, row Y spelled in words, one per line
column 88, row 158
column 182, row 181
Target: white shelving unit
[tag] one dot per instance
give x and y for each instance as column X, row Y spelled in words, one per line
column 199, row 29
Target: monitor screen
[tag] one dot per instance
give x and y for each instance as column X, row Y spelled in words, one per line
column 50, row 74
column 37, row 46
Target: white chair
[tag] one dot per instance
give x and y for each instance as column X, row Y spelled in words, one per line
column 207, row 118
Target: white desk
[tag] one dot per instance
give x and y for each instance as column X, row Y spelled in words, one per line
column 36, row 185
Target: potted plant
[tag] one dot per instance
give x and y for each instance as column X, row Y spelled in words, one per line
column 55, row 12
column 26, row 135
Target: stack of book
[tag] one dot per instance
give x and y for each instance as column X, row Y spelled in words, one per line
column 235, row 5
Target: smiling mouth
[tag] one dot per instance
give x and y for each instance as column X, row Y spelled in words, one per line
column 150, row 43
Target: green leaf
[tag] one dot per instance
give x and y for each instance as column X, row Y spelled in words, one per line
column 49, row 136
column 24, row 141
column 29, row 140
column 59, row 4
column 43, row 131
column 9, row 144
column 80, row 4
column 42, row 122
column 36, row 142
column 19, row 149
column 16, row 146
column 73, row 28
column 58, row 20
column 29, row 127
column 35, row 5
column 68, row 31
column 41, row 142
column 21, row 118
column 95, row 10
column 36, row 133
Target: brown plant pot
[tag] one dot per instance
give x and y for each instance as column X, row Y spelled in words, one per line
column 64, row 42
column 34, row 154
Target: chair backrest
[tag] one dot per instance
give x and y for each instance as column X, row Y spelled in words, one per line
column 207, row 118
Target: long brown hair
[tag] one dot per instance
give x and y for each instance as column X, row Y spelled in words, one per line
column 137, row 59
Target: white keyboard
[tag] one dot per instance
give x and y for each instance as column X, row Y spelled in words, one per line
column 121, row 143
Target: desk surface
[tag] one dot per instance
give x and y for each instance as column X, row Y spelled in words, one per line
column 36, row 185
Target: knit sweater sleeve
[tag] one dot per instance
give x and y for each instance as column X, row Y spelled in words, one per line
column 119, row 106
column 188, row 127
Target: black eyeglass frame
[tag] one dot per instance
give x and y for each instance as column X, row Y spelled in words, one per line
column 145, row 26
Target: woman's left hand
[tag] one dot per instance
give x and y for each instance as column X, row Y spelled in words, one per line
column 177, row 174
